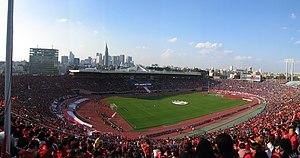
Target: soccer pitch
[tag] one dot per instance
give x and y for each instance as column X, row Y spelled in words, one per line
column 147, row 112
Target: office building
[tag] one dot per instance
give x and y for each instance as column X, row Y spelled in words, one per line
column 64, row 60
column 43, row 61
column 106, row 59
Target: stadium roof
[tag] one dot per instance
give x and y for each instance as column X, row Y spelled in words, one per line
column 293, row 83
column 136, row 72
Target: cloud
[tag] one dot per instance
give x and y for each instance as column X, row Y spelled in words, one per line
column 140, row 47
column 297, row 42
column 168, row 53
column 284, row 28
column 191, row 43
column 298, row 30
column 294, row 41
column 208, row 45
column 293, row 16
column 62, row 20
column 227, row 52
column 96, row 32
column 243, row 58
column 173, row 40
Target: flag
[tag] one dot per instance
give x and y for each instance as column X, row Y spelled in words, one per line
column 113, row 115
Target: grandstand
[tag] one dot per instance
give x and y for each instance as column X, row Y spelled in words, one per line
column 39, row 103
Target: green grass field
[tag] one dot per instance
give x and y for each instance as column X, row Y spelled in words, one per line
column 146, row 112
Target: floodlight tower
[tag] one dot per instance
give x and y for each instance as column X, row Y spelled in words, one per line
column 292, row 69
column 287, row 62
column 286, row 68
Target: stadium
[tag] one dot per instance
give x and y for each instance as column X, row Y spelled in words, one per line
column 132, row 114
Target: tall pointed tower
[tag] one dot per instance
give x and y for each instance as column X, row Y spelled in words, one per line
column 106, row 56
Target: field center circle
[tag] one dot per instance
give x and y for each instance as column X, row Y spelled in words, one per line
column 180, row 102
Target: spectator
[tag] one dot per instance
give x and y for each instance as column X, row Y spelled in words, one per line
column 243, row 152
column 257, row 151
column 286, row 150
column 225, row 146
column 187, row 150
column 292, row 135
column 204, row 149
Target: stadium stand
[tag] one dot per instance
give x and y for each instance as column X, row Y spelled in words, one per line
column 39, row 128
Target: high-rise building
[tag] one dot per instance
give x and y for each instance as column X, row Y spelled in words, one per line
column 122, row 59
column 115, row 60
column 99, row 59
column 43, row 61
column 129, row 61
column 106, row 61
column 71, row 58
column 64, row 59
column 76, row 61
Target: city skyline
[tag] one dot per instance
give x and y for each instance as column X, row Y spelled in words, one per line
column 200, row 34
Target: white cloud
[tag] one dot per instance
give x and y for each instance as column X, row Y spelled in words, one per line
column 227, row 52
column 191, row 43
column 96, row 32
column 293, row 16
column 208, row 45
column 168, row 53
column 140, row 47
column 297, row 42
column 284, row 28
column 173, row 40
column 62, row 20
column 243, row 58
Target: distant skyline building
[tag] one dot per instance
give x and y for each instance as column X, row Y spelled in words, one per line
column 76, row 61
column 115, row 60
column 43, row 61
column 64, row 59
column 106, row 59
column 102, row 60
column 129, row 61
column 122, row 59
column 71, row 58
column 87, row 61
column 99, row 59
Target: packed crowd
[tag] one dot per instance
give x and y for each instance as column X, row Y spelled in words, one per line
column 37, row 132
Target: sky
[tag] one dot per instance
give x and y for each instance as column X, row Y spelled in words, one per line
column 192, row 33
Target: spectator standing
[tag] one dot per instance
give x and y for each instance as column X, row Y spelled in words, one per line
column 225, row 146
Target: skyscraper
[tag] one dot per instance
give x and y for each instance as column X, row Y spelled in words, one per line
column 106, row 62
column 76, row 61
column 122, row 59
column 64, row 59
column 128, row 59
column 71, row 58
column 99, row 59
column 115, row 60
